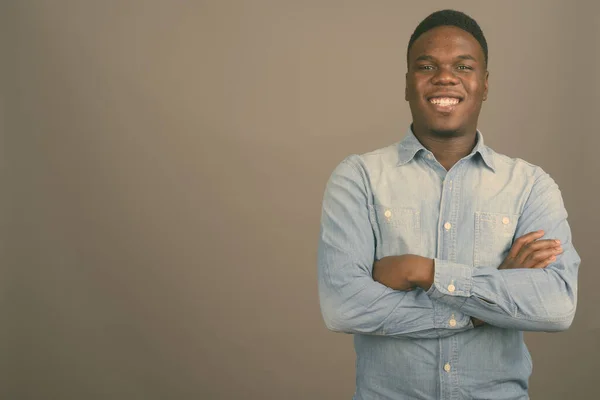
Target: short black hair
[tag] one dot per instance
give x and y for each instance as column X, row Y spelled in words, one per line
column 450, row 18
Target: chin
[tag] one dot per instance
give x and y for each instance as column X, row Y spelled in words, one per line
column 446, row 131
column 443, row 126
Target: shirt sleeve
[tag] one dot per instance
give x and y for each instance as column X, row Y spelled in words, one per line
column 350, row 300
column 524, row 299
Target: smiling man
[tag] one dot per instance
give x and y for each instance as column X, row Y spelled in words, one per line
column 436, row 252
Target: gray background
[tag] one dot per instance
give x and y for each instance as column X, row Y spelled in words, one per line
column 165, row 162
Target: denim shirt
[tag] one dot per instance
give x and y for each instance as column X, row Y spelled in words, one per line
column 422, row 344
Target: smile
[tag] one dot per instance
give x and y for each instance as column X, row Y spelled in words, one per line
column 444, row 104
column 444, row 101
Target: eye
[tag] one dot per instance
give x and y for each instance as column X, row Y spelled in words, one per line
column 465, row 67
column 425, row 67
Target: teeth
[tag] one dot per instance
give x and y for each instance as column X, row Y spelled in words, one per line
column 444, row 101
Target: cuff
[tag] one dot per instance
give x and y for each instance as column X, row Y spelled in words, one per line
column 447, row 317
column 452, row 282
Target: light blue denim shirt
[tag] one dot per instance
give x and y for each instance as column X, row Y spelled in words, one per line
column 422, row 344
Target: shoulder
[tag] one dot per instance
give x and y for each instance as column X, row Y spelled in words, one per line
column 518, row 166
column 373, row 160
column 355, row 172
column 538, row 182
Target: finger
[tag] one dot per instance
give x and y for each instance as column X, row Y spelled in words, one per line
column 540, row 256
column 524, row 240
column 545, row 263
column 539, row 245
column 540, row 251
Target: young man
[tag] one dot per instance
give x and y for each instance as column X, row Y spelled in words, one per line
column 437, row 252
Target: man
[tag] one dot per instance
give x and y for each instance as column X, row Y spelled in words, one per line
column 437, row 252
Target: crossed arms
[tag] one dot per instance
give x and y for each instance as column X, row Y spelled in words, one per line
column 530, row 291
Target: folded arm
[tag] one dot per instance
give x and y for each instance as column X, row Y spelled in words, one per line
column 351, row 301
column 536, row 299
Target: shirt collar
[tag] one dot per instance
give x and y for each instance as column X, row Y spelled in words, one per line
column 410, row 146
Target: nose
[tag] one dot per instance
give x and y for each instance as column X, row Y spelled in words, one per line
column 445, row 76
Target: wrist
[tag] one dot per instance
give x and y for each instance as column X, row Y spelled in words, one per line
column 424, row 273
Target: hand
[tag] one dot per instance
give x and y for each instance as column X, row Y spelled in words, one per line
column 404, row 272
column 529, row 252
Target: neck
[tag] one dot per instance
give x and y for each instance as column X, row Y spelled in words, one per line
column 447, row 149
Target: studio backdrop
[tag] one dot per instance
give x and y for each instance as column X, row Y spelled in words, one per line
column 164, row 165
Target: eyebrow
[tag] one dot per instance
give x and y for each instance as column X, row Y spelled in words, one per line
column 427, row 57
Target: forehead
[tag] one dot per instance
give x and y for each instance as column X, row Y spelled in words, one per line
column 446, row 41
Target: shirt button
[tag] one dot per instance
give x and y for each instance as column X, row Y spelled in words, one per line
column 447, row 367
column 388, row 213
column 505, row 220
column 429, row 157
column 452, row 323
column 451, row 288
column 447, row 226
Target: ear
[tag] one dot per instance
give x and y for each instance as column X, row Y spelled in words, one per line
column 406, row 87
column 485, row 90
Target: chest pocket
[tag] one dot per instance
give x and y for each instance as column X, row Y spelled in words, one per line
column 397, row 230
column 494, row 234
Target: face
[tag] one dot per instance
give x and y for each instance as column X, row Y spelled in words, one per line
column 446, row 82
